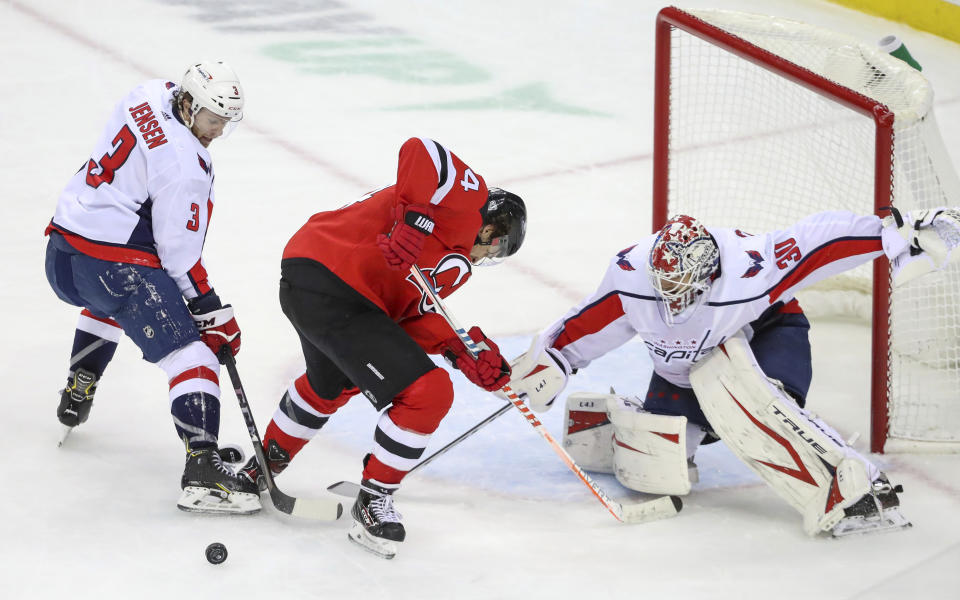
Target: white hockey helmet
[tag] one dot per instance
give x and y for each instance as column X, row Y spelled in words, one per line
column 212, row 85
column 683, row 263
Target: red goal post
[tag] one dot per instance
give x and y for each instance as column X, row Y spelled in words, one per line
column 760, row 121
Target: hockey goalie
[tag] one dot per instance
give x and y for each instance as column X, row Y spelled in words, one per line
column 731, row 356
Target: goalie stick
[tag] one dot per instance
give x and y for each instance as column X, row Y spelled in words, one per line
column 350, row 489
column 319, row 509
column 638, row 512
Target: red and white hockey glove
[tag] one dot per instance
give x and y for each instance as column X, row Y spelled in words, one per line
column 403, row 246
column 488, row 370
column 539, row 376
column 216, row 323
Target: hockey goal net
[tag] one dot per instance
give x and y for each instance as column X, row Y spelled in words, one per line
column 761, row 121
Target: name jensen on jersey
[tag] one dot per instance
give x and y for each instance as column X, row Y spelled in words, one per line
column 149, row 126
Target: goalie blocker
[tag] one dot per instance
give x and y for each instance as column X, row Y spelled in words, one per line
column 802, row 458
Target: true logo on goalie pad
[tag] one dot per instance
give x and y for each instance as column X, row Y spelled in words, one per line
column 801, row 472
column 800, row 432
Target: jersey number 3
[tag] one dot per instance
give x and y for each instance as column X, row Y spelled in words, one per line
column 123, row 145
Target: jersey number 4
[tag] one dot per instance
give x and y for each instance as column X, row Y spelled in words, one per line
column 469, row 181
column 102, row 171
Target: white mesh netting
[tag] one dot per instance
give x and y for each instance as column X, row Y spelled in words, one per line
column 754, row 150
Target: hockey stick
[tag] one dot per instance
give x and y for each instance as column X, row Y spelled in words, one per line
column 350, row 489
column 321, row 509
column 659, row 508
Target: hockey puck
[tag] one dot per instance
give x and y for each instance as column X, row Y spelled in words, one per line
column 216, row 553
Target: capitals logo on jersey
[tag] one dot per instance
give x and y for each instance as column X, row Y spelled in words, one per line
column 757, row 265
column 451, row 272
column 622, row 261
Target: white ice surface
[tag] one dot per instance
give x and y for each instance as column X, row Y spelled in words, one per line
column 551, row 99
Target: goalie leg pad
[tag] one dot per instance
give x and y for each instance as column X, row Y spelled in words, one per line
column 649, row 450
column 588, row 432
column 803, row 459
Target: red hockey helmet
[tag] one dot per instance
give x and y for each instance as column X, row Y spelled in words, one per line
column 683, row 262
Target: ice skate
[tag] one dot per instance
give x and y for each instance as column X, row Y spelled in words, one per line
column 876, row 511
column 76, row 400
column 277, row 458
column 376, row 523
column 209, row 486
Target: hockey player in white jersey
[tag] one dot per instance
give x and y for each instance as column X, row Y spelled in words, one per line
column 125, row 245
column 731, row 356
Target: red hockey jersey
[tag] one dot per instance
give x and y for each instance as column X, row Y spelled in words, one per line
column 344, row 240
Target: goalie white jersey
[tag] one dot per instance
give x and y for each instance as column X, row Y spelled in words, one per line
column 756, row 272
column 146, row 193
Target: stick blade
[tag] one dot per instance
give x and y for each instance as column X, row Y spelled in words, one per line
column 315, row 509
column 651, row 510
column 345, row 488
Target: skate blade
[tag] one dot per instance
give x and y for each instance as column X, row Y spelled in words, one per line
column 383, row 548
column 202, row 500
column 63, row 437
column 891, row 520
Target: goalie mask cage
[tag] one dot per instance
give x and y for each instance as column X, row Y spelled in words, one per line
column 761, row 121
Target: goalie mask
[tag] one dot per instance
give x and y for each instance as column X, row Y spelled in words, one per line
column 504, row 227
column 214, row 86
column 683, row 262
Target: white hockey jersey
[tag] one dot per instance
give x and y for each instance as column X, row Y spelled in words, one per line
column 755, row 273
column 146, row 194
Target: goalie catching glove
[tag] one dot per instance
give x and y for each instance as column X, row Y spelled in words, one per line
column 921, row 241
column 539, row 375
column 216, row 323
column 488, row 370
column 403, row 246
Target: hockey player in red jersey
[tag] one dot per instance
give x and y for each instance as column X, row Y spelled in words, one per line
column 125, row 245
column 366, row 327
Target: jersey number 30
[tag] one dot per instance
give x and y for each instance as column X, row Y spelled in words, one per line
column 787, row 252
column 123, row 145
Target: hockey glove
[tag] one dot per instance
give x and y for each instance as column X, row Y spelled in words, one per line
column 403, row 246
column 921, row 241
column 539, row 376
column 488, row 370
column 216, row 323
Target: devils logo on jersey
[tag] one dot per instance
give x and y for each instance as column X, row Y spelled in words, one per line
column 451, row 272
